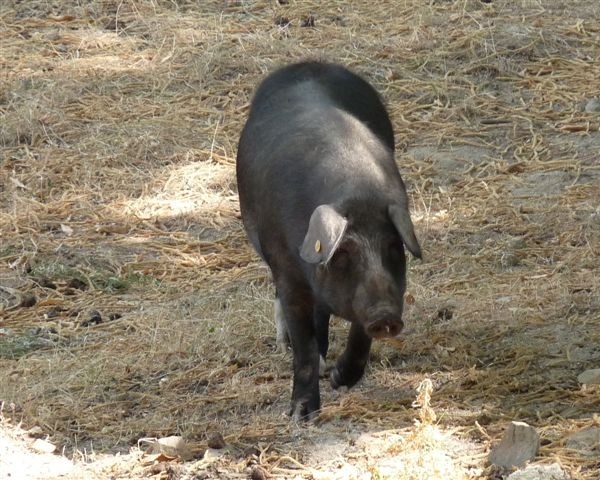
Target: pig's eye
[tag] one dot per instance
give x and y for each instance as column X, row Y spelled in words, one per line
column 343, row 256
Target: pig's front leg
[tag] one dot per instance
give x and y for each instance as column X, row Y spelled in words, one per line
column 350, row 367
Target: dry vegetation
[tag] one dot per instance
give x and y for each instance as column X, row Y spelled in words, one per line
column 132, row 306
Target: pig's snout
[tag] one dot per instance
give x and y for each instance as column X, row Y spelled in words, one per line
column 385, row 325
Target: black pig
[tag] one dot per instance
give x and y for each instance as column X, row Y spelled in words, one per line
column 324, row 205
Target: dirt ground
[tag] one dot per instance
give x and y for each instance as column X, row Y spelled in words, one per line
column 131, row 306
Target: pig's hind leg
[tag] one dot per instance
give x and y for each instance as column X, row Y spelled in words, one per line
column 282, row 336
column 298, row 309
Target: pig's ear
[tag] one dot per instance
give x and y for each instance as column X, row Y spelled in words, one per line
column 401, row 220
column 325, row 231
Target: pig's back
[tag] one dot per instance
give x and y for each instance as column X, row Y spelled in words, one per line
column 296, row 84
column 316, row 134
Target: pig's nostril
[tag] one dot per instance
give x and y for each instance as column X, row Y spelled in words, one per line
column 384, row 329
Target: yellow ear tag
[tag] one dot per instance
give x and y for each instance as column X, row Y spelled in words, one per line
column 318, row 246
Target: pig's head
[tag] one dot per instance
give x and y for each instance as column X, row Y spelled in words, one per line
column 359, row 263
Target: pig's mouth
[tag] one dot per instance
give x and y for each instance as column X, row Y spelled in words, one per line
column 385, row 328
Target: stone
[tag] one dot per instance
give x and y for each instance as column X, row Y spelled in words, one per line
column 212, row 455
column 216, row 441
column 259, row 473
column 592, row 105
column 590, row 377
column 519, row 445
column 586, row 441
column 540, row 472
column 35, row 432
column 173, row 446
column 43, row 446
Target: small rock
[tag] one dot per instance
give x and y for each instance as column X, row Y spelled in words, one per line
column 53, row 313
column 158, row 468
column 46, row 283
column 212, row 455
column 586, row 441
column 590, row 376
column 517, row 243
column 173, row 446
column 43, row 446
column 540, row 472
column 216, row 441
column 95, row 319
column 28, row 300
column 518, row 446
column 509, row 259
column 592, row 105
column 77, row 284
column 35, row 432
column 258, row 473
column 504, row 300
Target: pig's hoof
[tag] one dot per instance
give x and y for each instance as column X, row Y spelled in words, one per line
column 339, row 378
column 303, row 411
column 322, row 366
column 335, row 379
column 283, row 346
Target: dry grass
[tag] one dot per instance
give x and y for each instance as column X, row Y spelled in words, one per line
column 118, row 132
